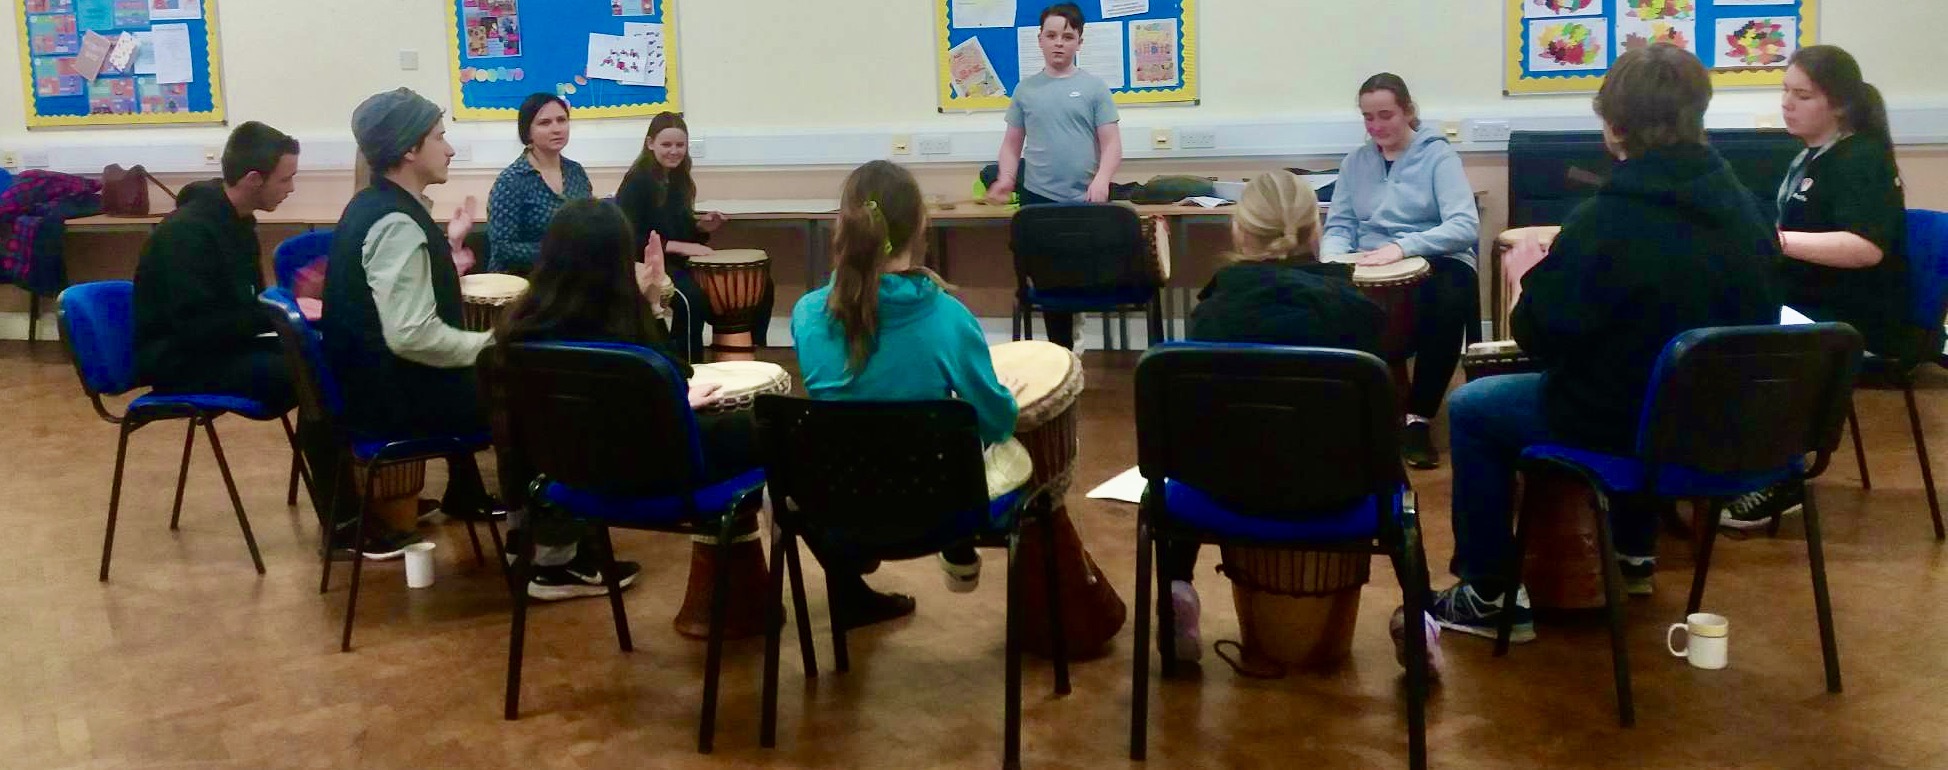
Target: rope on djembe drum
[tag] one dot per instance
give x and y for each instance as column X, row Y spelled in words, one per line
column 1294, row 573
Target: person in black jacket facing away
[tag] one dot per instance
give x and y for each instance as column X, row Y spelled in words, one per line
column 197, row 323
column 1275, row 292
column 1672, row 242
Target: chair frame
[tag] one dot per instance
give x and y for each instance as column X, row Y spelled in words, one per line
column 1152, row 307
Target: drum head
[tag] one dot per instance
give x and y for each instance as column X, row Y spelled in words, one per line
column 740, row 378
column 1044, row 369
column 732, row 257
column 1545, row 235
column 1404, row 271
column 492, row 286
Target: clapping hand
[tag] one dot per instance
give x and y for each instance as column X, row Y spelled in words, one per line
column 457, row 230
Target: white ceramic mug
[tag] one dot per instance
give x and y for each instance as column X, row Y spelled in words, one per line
column 419, row 565
column 1707, row 642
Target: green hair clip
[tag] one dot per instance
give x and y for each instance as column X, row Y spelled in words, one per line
column 872, row 207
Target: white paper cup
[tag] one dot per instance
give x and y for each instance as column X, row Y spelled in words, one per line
column 419, row 565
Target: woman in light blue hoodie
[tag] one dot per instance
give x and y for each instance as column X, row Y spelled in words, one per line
column 885, row 329
column 1403, row 195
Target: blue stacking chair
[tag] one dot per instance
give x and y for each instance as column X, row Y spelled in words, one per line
column 319, row 406
column 297, row 251
column 608, row 432
column 1729, row 411
column 1927, row 269
column 1272, row 447
column 1084, row 257
column 98, row 324
column 890, row 480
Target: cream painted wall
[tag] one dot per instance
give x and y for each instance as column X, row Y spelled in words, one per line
column 772, row 65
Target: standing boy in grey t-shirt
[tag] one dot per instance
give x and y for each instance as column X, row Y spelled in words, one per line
column 1062, row 135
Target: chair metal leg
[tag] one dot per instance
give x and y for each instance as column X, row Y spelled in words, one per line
column 1166, row 610
column 1921, row 453
column 331, row 526
column 841, row 661
column 1613, row 599
column 1816, row 554
column 1859, row 449
column 1140, row 665
column 473, row 536
column 1123, row 330
column 1011, row 689
column 1057, row 634
column 33, row 316
column 1411, row 566
column 1707, row 534
column 298, row 471
column 500, row 549
column 358, row 557
column 1512, row 586
column 774, row 628
column 713, row 662
column 182, row 474
column 230, row 484
column 807, row 654
column 115, row 496
column 614, row 581
column 517, row 632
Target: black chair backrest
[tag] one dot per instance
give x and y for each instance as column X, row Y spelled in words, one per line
column 317, row 390
column 605, row 418
column 889, row 475
column 1270, row 431
column 1749, row 399
column 1550, row 172
column 1080, row 246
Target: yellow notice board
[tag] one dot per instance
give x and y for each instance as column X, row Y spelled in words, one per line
column 119, row 62
column 1566, row 46
column 1146, row 50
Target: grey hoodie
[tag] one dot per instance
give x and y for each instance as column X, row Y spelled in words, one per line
column 1425, row 203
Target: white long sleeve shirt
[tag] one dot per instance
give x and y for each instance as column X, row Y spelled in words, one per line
column 399, row 270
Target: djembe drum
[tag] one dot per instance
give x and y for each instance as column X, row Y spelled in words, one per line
column 1295, row 608
column 734, row 282
column 1509, row 289
column 488, row 297
column 743, row 382
column 1395, row 288
column 395, row 494
column 1092, row 612
column 1490, row 359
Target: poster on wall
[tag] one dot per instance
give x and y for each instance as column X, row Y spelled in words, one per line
column 120, row 62
column 606, row 58
column 1145, row 51
column 1563, row 46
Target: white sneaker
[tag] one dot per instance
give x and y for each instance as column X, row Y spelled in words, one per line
column 1184, row 604
column 961, row 578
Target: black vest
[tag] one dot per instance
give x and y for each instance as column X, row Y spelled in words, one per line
column 385, row 395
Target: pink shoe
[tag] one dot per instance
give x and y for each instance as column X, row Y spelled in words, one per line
column 1183, row 602
column 1396, row 628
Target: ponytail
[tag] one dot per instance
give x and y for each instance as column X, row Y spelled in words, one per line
column 1279, row 215
column 1867, row 115
column 880, row 215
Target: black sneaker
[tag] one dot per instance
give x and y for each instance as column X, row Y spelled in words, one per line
column 1417, row 446
column 578, row 578
column 1636, row 577
column 1758, row 509
column 1461, row 609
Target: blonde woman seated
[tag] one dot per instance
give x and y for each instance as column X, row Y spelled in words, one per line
column 1274, row 291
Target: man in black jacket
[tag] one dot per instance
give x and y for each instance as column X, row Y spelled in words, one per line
column 1672, row 242
column 197, row 322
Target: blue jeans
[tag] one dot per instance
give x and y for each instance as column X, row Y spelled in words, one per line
column 1490, row 422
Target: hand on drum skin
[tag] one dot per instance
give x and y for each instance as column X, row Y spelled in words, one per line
column 999, row 191
column 704, row 394
column 462, row 222
column 1098, row 192
column 710, row 221
column 1385, row 255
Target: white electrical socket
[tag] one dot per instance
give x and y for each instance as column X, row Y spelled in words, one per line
column 902, row 144
column 1197, row 139
column 33, row 159
column 212, row 156
column 1488, row 131
column 409, row 60
column 697, row 149
column 936, row 145
column 10, row 159
column 462, row 152
column 1163, row 139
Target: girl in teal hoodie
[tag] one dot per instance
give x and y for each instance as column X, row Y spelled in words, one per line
column 885, row 329
column 1403, row 195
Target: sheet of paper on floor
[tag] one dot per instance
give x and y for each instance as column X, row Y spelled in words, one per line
column 1126, row 487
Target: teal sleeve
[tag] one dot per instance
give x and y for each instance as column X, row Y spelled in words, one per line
column 970, row 371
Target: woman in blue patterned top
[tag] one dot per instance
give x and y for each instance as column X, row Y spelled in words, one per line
column 529, row 192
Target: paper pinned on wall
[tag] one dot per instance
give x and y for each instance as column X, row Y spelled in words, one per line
column 145, row 53
column 658, row 66
column 173, row 60
column 972, row 72
column 1153, row 54
column 1102, row 52
column 984, row 14
column 167, row 10
column 619, row 58
column 1028, row 52
column 1116, row 9
column 94, row 53
column 123, row 54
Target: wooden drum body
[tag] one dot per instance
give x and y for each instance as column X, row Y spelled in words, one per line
column 1394, row 288
column 487, row 297
column 743, row 382
column 1295, row 608
column 395, row 494
column 1092, row 611
column 1508, row 287
column 734, row 281
column 1562, row 565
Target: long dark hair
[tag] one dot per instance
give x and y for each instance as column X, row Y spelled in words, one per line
column 881, row 213
column 531, row 109
column 583, row 285
column 674, row 181
column 1837, row 73
column 1396, row 85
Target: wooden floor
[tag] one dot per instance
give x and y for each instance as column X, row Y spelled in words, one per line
column 188, row 659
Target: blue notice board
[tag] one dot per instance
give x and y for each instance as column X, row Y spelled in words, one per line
column 1146, row 50
column 606, row 58
column 181, row 85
